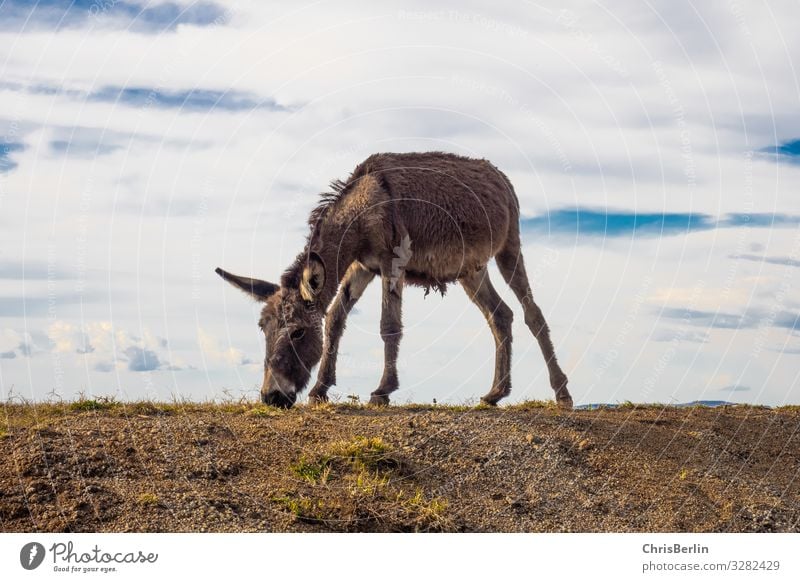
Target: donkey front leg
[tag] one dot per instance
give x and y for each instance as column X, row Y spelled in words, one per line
column 391, row 332
column 353, row 284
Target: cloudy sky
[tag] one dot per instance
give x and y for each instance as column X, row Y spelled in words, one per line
column 655, row 148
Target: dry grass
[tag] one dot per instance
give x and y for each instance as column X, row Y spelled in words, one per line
column 148, row 499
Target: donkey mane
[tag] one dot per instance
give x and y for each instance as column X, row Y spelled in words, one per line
column 327, row 200
column 338, row 190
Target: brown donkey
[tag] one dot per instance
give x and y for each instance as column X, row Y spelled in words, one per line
column 425, row 219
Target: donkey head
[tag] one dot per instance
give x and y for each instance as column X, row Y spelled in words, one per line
column 292, row 324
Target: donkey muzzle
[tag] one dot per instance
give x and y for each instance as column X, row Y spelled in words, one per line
column 277, row 391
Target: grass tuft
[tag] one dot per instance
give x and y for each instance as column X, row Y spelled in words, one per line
column 147, row 499
column 531, row 405
column 313, row 471
column 372, row 484
column 89, row 404
column 263, row 411
column 358, row 454
column 303, row 508
column 428, row 510
column 362, row 452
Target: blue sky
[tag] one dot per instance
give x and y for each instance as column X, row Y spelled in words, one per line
column 593, row 223
column 143, row 17
column 655, row 149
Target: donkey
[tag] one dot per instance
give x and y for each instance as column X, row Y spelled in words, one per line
column 425, row 219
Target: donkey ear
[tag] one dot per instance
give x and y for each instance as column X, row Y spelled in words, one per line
column 256, row 288
column 313, row 278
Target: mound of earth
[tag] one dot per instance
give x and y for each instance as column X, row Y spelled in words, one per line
column 145, row 467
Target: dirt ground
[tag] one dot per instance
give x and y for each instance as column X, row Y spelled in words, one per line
column 144, row 467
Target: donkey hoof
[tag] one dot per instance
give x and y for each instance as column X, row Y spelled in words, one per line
column 379, row 400
column 565, row 402
column 317, row 397
column 494, row 396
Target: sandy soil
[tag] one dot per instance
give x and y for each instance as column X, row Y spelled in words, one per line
column 100, row 466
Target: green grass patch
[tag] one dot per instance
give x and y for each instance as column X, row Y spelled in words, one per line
column 90, row 404
column 363, row 453
column 345, row 457
column 313, row 471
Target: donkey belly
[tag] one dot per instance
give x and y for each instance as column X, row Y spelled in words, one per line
column 444, row 263
column 448, row 244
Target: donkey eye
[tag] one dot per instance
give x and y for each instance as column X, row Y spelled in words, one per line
column 298, row 334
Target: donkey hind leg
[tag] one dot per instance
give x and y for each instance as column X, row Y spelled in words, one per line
column 512, row 268
column 391, row 333
column 499, row 316
column 353, row 284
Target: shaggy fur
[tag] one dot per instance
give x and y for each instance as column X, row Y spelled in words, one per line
column 425, row 219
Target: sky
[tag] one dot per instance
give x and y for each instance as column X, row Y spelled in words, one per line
column 654, row 146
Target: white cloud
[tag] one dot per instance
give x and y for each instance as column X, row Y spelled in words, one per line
column 10, row 340
column 210, row 348
column 103, row 347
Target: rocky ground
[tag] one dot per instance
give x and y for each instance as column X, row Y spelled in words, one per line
column 106, row 466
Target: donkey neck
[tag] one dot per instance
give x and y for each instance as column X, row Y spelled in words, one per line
column 337, row 250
